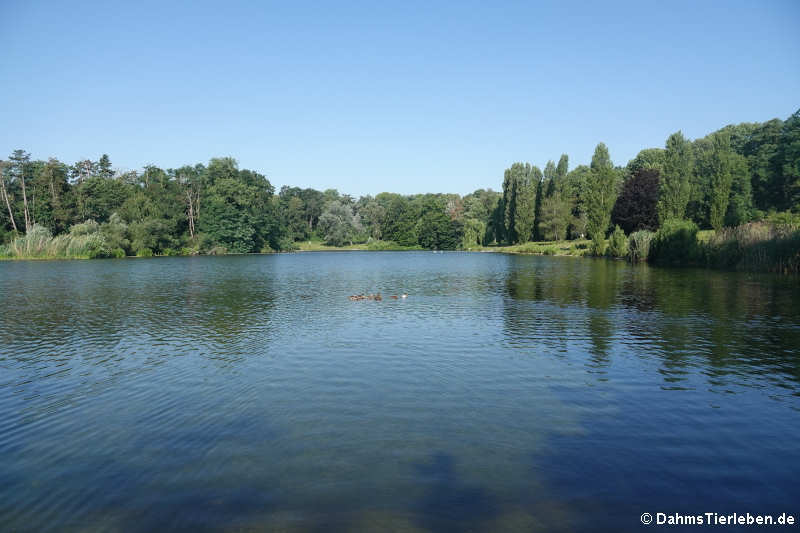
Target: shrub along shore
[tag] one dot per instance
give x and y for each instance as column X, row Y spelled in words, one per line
column 730, row 200
column 754, row 247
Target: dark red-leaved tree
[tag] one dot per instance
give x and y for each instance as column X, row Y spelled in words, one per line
column 636, row 205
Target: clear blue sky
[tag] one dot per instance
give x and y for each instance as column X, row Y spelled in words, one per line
column 368, row 97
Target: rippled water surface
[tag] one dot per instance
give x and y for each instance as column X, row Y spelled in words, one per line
column 506, row 393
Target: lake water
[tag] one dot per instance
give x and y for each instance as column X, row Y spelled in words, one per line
column 506, row 393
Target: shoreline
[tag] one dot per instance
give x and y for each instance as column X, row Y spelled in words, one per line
column 565, row 248
column 533, row 248
column 543, row 248
column 575, row 248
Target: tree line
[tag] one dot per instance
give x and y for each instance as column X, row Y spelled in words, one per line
column 740, row 173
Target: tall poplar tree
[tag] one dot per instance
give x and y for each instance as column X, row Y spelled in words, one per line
column 519, row 199
column 550, row 170
column 721, row 180
column 563, row 167
column 528, row 199
column 537, row 210
column 601, row 193
column 508, row 206
column 675, row 186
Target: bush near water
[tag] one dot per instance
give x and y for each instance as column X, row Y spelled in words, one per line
column 766, row 246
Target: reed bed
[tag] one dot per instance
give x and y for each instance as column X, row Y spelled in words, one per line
column 39, row 243
column 757, row 246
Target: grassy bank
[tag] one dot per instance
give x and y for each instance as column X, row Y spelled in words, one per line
column 373, row 246
column 576, row 248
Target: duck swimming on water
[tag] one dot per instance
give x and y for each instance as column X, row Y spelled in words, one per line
column 377, row 297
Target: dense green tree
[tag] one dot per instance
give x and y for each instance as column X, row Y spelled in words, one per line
column 151, row 236
column 296, row 223
column 372, row 215
column 226, row 217
column 137, row 207
column 479, row 217
column 475, row 207
column 721, row 186
column 509, row 205
column 238, row 213
column 556, row 215
column 549, row 185
column 562, row 168
column 601, row 193
column 549, row 171
column 721, row 179
column 787, row 166
column 436, row 229
column 649, row 158
column 294, row 213
column 313, row 202
column 104, row 169
column 495, row 230
column 528, row 193
column 474, row 233
column 675, row 184
column 520, row 183
column 330, row 195
column 698, row 207
column 536, row 234
column 51, row 208
column 220, row 168
column 400, row 224
column 116, row 234
column 574, row 187
column 740, row 205
column 552, row 188
column 96, row 197
column 758, row 143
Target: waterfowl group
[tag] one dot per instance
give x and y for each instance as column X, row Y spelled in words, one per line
column 357, row 297
column 377, row 297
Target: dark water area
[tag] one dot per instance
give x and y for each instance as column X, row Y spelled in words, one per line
column 507, row 393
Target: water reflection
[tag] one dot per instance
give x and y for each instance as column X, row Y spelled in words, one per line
column 728, row 324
